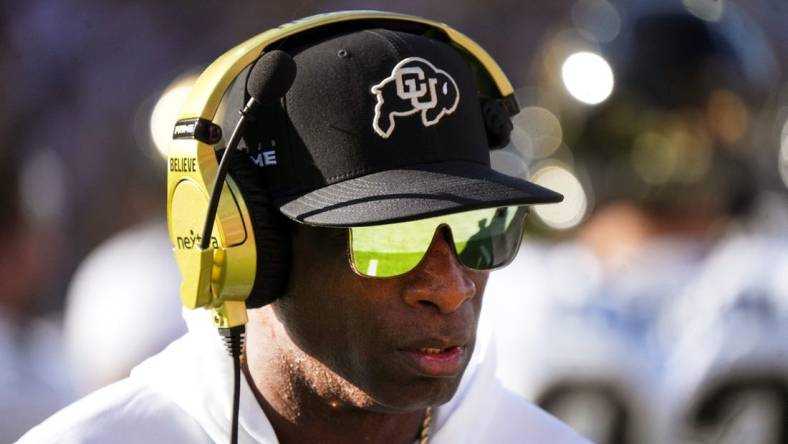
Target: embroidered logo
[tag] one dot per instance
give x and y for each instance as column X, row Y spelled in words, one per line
column 414, row 86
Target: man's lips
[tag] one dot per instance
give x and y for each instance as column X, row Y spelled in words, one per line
column 436, row 361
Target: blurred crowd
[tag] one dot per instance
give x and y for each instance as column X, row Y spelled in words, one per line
column 660, row 313
column 651, row 306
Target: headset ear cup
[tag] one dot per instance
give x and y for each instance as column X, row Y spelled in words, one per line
column 271, row 236
column 496, row 122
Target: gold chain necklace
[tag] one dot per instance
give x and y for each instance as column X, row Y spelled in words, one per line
column 424, row 435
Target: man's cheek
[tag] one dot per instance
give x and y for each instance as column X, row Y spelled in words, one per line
column 479, row 279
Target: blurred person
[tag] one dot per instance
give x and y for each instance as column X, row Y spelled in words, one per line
column 31, row 369
column 373, row 219
column 113, row 291
column 669, row 162
column 727, row 370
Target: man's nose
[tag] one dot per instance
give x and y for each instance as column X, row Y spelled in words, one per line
column 440, row 280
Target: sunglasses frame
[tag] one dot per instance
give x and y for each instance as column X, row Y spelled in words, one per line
column 446, row 230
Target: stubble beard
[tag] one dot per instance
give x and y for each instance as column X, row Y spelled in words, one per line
column 297, row 384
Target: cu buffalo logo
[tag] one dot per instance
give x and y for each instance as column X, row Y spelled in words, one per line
column 414, row 86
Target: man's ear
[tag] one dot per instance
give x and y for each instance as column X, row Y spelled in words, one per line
column 271, row 231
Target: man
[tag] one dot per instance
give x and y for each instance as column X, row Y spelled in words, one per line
column 381, row 164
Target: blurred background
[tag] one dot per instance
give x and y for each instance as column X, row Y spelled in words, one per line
column 650, row 306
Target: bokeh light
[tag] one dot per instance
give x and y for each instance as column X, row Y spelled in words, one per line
column 677, row 154
column 596, row 20
column 537, row 132
column 571, row 211
column 509, row 163
column 165, row 113
column 588, row 77
column 727, row 115
column 709, row 10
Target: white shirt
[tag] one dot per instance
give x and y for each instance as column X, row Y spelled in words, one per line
column 183, row 394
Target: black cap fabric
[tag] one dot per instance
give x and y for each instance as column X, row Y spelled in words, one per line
column 380, row 126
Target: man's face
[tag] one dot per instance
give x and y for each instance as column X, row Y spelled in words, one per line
column 396, row 343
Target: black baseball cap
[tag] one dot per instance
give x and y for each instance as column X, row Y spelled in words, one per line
column 379, row 126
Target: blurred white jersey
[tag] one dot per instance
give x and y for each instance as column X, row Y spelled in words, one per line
column 560, row 319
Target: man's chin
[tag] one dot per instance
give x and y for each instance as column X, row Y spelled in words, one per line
column 418, row 395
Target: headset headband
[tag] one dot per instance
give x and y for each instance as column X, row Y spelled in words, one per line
column 218, row 76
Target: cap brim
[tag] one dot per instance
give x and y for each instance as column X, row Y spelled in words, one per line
column 411, row 193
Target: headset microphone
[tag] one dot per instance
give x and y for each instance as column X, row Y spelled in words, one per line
column 271, row 77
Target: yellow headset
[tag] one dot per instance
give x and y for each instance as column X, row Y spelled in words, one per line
column 221, row 276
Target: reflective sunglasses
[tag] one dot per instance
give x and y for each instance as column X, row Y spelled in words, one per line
column 483, row 240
